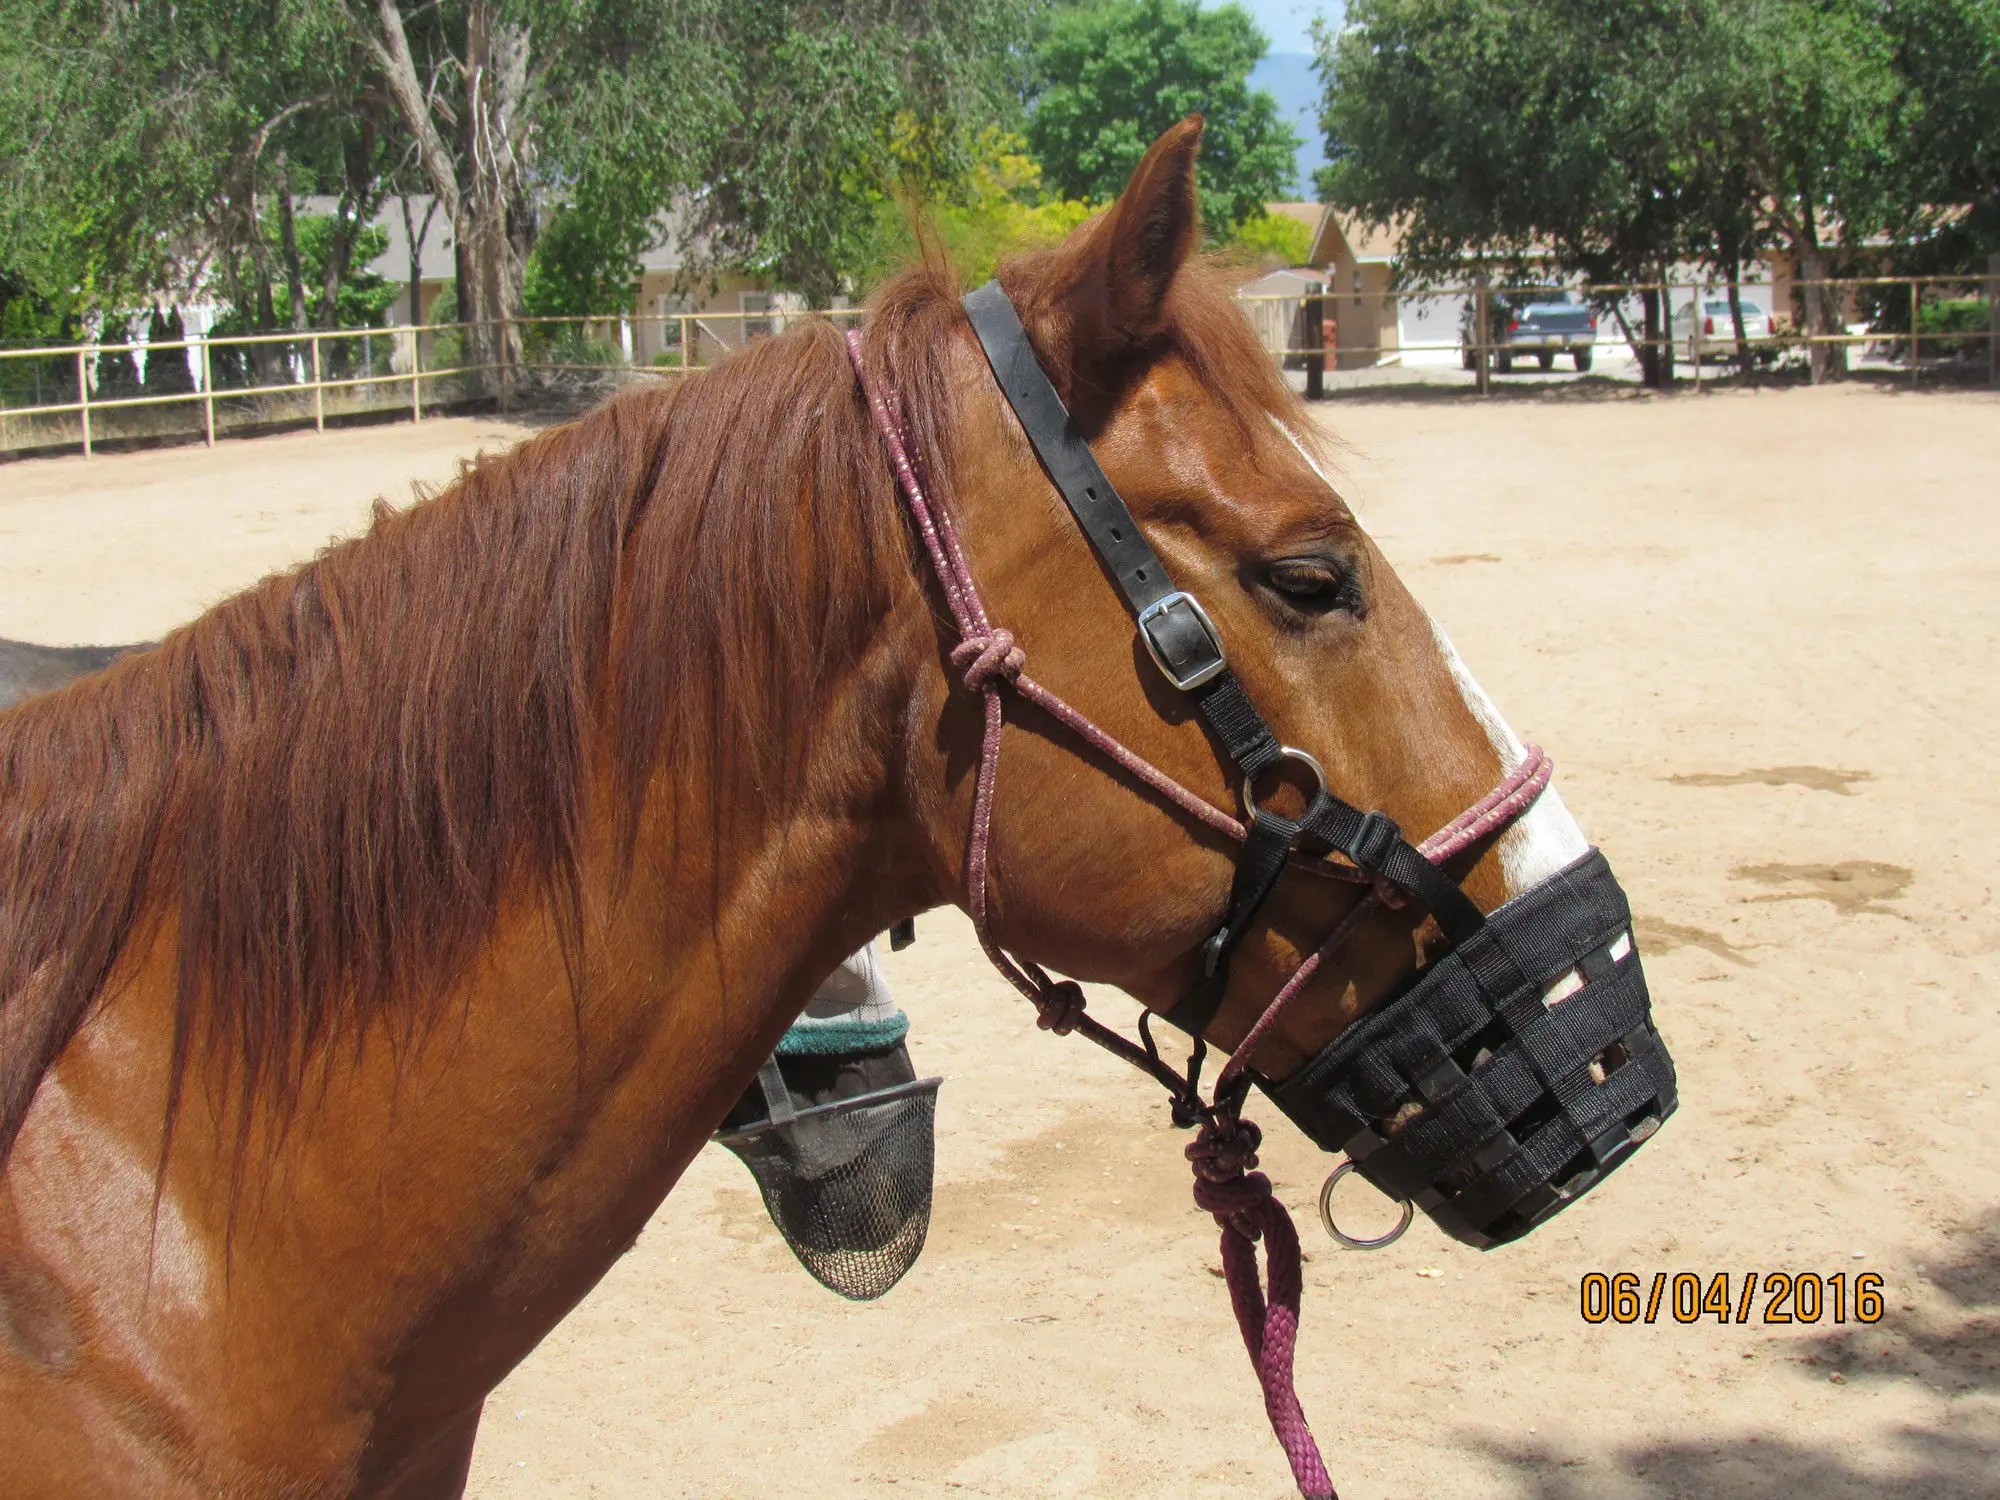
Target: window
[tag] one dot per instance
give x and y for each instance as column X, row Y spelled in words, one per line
column 669, row 309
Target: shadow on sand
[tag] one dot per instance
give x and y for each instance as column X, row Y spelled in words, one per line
column 1948, row 1338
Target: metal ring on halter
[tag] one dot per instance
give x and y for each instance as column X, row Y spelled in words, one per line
column 1288, row 752
column 1326, row 1215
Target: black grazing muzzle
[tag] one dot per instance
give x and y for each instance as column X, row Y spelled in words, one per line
column 1481, row 1101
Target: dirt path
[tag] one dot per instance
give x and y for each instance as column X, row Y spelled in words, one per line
column 1756, row 632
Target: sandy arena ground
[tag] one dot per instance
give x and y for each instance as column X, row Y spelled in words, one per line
column 1752, row 629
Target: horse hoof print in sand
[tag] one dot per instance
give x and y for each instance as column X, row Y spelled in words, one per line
column 377, row 951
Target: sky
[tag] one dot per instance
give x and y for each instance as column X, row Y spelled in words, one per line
column 1285, row 22
column 1287, row 73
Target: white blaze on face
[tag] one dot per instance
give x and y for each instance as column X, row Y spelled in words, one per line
column 1545, row 839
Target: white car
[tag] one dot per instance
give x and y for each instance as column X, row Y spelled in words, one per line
column 1716, row 336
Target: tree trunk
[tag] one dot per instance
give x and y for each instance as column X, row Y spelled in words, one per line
column 357, row 207
column 1667, row 331
column 489, row 208
column 414, row 237
column 1482, row 322
column 496, row 229
column 1828, row 360
column 1736, row 317
column 1651, row 363
column 265, row 356
column 288, row 238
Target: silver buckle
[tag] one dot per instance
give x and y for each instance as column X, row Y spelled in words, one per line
column 1160, row 612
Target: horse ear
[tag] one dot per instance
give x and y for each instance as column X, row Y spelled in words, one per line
column 1148, row 234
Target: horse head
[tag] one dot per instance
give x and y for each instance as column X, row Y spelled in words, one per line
column 1112, row 369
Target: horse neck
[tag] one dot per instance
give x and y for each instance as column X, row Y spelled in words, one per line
column 463, row 1182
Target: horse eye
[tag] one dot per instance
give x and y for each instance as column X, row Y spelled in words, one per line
column 1306, row 580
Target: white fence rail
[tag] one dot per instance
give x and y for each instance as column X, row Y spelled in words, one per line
column 81, row 395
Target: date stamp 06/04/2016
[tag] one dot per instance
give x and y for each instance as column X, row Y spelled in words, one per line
column 1731, row 1297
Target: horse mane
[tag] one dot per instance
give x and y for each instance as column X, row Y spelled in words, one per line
column 323, row 788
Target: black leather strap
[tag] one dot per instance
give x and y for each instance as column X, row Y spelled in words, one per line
column 1266, row 852
column 1377, row 845
column 1109, row 526
column 1135, row 567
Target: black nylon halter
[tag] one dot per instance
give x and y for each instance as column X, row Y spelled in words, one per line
column 1188, row 649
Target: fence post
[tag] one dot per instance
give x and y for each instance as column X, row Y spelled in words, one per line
column 319, row 393
column 1482, row 304
column 83, row 401
column 416, row 372
column 1913, row 332
column 1315, row 310
column 207, row 391
column 1697, row 325
column 687, row 348
column 1668, row 355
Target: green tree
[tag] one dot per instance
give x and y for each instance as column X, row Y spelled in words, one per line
column 1497, row 132
column 363, row 296
column 998, row 207
column 1803, row 96
column 1625, row 135
column 1106, row 79
column 583, row 264
column 767, row 126
column 1948, row 52
column 834, row 105
column 1275, row 238
column 148, row 148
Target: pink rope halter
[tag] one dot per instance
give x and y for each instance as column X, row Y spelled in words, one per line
column 1223, row 1153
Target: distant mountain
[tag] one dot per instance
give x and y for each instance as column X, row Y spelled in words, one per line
column 1289, row 78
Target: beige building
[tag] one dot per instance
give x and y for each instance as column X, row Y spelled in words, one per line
column 715, row 314
column 1359, row 261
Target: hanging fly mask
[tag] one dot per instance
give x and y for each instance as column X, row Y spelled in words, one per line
column 840, row 1136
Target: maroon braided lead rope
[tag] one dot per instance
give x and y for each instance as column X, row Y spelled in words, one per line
column 1223, row 1154
column 1224, row 1151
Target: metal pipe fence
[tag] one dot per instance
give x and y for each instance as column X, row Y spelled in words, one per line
column 82, row 395
column 1354, row 326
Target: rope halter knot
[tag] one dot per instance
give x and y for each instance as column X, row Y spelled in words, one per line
column 1059, row 1007
column 1224, row 1155
column 984, row 658
column 1225, row 1149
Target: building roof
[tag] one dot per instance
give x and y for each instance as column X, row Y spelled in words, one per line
column 1284, row 282
column 1308, row 214
column 1358, row 238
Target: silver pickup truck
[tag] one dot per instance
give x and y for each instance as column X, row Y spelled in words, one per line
column 1542, row 321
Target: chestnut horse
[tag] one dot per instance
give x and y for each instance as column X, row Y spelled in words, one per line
column 377, row 951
